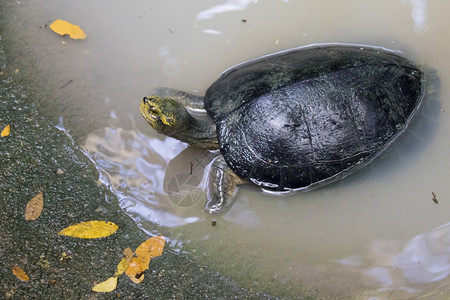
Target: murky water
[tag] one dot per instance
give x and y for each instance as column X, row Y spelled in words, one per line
column 377, row 233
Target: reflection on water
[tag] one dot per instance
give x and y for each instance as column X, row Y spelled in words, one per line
column 230, row 5
column 134, row 166
column 426, row 258
column 171, row 65
column 394, row 269
column 418, row 14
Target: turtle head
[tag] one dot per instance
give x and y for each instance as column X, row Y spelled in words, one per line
column 171, row 118
column 165, row 115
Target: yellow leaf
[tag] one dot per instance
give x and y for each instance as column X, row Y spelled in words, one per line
column 5, row 132
column 123, row 265
column 90, row 229
column 34, row 207
column 62, row 27
column 108, row 285
column 64, row 256
column 20, row 274
column 152, row 247
column 135, row 270
column 111, row 283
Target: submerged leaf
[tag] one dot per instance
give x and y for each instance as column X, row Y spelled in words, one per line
column 6, row 131
column 108, row 285
column 34, row 207
column 20, row 274
column 62, row 27
column 90, row 229
column 152, row 247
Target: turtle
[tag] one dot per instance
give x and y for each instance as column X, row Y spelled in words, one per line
column 294, row 120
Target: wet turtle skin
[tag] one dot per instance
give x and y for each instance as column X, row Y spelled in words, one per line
column 301, row 118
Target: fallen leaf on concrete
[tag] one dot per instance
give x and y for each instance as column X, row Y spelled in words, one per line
column 152, row 247
column 20, row 274
column 6, row 131
column 134, row 266
column 62, row 27
column 108, row 285
column 123, row 265
column 34, row 207
column 90, row 229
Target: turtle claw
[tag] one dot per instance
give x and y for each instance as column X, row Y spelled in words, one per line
column 222, row 187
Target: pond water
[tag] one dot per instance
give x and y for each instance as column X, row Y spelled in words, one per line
column 376, row 234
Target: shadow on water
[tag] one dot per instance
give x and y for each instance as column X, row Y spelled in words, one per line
column 184, row 180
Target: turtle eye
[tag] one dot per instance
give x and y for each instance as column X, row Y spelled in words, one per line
column 153, row 110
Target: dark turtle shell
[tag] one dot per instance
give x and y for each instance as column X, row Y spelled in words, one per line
column 304, row 117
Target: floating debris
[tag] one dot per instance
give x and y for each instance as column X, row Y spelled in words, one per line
column 435, row 200
column 62, row 27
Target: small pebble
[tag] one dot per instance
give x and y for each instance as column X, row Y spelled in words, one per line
column 59, row 172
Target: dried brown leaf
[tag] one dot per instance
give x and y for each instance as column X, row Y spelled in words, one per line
column 34, row 207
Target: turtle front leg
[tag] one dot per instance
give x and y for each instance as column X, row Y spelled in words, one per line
column 222, row 186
